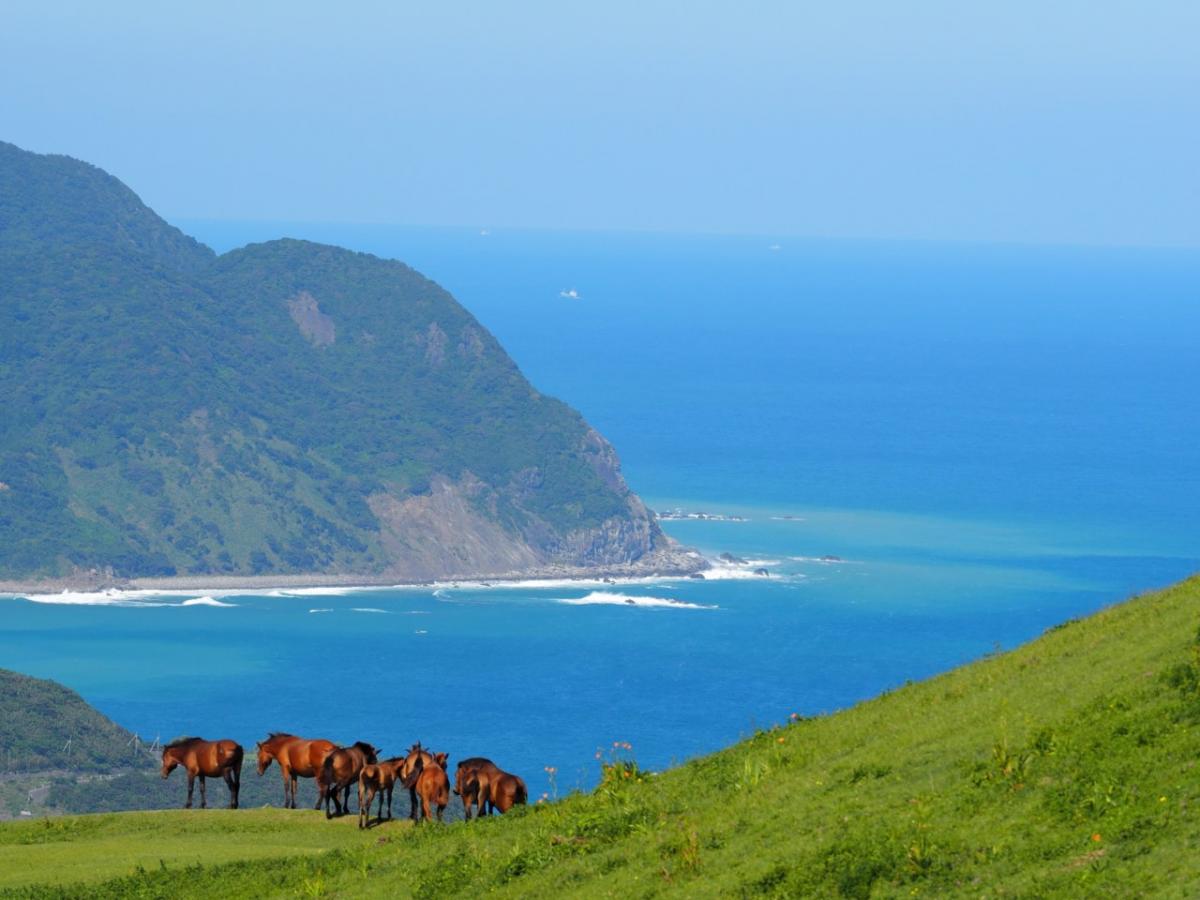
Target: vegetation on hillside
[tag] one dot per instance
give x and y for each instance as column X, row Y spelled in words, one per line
column 44, row 726
column 1067, row 767
column 167, row 411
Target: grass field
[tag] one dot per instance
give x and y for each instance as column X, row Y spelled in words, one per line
column 1067, row 767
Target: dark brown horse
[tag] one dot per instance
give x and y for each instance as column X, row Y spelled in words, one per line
column 297, row 758
column 379, row 778
column 470, row 783
column 205, row 759
column 341, row 769
column 428, row 781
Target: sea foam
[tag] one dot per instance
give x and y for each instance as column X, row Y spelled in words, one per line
column 604, row 598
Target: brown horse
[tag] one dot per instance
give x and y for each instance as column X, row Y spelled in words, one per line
column 297, row 758
column 506, row 791
column 428, row 780
column 341, row 769
column 470, row 783
column 205, row 759
column 414, row 762
column 378, row 779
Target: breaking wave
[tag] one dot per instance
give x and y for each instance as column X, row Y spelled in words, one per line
column 604, row 598
column 207, row 601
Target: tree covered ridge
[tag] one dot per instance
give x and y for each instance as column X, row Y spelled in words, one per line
column 169, row 411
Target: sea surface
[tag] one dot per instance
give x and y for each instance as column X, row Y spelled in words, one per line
column 988, row 439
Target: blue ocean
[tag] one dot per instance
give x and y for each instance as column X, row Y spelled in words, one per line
column 936, row 451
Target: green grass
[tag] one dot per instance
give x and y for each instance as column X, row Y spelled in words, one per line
column 1067, row 767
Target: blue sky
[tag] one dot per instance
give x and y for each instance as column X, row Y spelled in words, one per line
column 1074, row 122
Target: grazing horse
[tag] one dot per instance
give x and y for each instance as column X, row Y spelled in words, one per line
column 470, row 784
column 341, row 769
column 297, row 758
column 205, row 759
column 428, row 780
column 379, row 778
column 506, row 791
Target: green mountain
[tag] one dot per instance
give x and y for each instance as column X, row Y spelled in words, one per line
column 1065, row 768
column 284, row 408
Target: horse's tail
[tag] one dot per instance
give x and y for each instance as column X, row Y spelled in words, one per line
column 238, row 755
column 325, row 777
column 521, row 794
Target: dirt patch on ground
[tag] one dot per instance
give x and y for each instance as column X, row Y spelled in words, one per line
column 317, row 327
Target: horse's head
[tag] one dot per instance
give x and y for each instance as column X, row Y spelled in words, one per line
column 170, row 759
column 264, row 756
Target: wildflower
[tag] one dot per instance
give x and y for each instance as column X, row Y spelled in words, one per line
column 1162, row 799
column 781, row 740
column 1096, row 837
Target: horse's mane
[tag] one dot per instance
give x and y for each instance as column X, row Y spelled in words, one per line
column 180, row 742
column 279, row 734
column 362, row 745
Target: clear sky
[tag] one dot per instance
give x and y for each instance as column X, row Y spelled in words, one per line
column 1026, row 120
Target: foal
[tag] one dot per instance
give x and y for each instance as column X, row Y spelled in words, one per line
column 378, row 778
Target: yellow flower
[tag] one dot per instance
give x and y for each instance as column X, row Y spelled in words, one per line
column 781, row 740
column 1096, row 837
column 1162, row 799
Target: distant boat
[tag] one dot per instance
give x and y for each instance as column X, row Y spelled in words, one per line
column 571, row 294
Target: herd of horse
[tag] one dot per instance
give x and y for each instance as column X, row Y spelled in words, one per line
column 481, row 785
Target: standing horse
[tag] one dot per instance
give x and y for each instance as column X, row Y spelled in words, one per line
column 205, row 759
column 470, row 784
column 377, row 779
column 341, row 769
column 297, row 758
column 416, row 759
column 428, row 780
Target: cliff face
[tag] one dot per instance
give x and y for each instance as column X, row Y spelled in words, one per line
column 287, row 408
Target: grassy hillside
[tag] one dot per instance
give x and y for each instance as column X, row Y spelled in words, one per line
column 44, row 725
column 1065, row 768
column 284, row 408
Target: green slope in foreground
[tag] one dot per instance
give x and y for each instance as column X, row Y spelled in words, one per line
column 1064, row 768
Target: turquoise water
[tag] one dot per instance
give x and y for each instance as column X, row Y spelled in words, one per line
column 991, row 440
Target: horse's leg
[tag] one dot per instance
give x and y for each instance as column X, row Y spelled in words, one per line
column 228, row 776
column 412, row 805
column 295, row 784
column 346, row 799
column 361, row 792
column 441, row 809
column 392, row 788
column 191, row 785
column 203, row 793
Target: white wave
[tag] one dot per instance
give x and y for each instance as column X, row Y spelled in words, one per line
column 321, row 591
column 825, row 560
column 604, row 598
column 731, row 573
column 207, row 601
column 420, row 631
column 94, row 598
column 441, row 593
column 762, row 562
column 320, row 610
column 368, row 609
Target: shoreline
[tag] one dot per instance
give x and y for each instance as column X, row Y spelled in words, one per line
column 678, row 565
